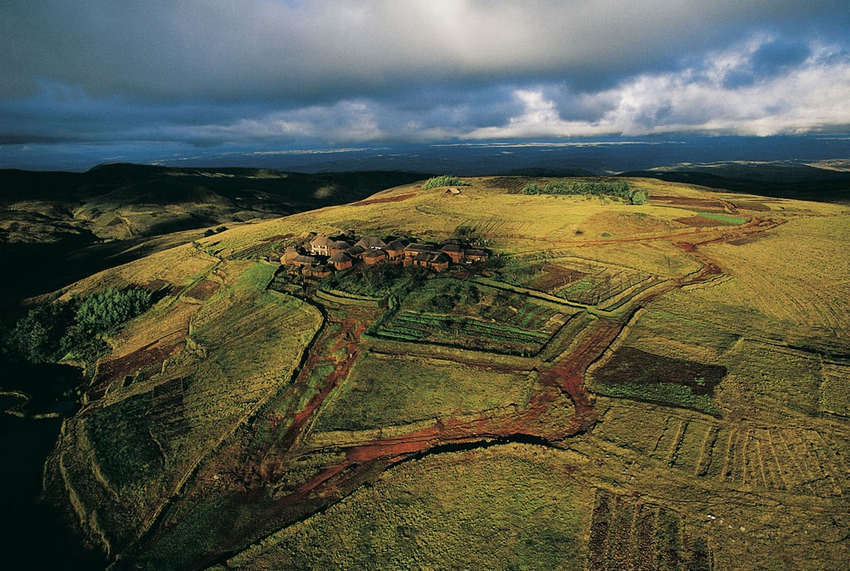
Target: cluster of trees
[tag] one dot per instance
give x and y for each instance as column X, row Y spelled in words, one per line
column 378, row 280
column 473, row 235
column 211, row 232
column 50, row 331
column 615, row 189
column 443, row 180
column 448, row 298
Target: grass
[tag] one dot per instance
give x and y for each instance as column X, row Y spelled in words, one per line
column 255, row 278
column 580, row 289
column 723, row 217
column 463, row 332
column 669, row 332
column 571, row 278
column 503, row 508
column 766, row 377
column 147, row 439
column 834, row 397
column 122, row 442
column 382, row 391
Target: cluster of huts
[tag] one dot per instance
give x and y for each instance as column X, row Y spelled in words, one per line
column 321, row 254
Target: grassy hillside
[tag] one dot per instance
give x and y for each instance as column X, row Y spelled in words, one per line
column 658, row 383
column 58, row 227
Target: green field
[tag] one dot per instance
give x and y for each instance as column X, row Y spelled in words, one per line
column 723, row 217
column 473, row 316
column 382, row 390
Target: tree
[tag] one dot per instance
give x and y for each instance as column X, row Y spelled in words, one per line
column 638, row 197
column 442, row 303
column 37, row 336
column 104, row 310
column 50, row 330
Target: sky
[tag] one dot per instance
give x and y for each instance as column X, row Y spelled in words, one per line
column 94, row 81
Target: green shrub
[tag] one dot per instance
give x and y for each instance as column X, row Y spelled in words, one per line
column 615, row 188
column 51, row 330
column 442, row 303
column 106, row 309
column 639, row 197
column 443, row 180
column 37, row 337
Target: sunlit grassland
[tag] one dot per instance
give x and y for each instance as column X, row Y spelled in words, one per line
column 384, row 390
column 834, row 396
column 786, row 286
column 505, row 507
column 176, row 266
column 772, row 380
column 509, row 220
column 777, row 322
column 678, row 336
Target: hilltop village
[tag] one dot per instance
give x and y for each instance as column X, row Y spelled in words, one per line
column 319, row 256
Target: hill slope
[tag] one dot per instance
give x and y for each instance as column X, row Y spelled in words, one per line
column 124, row 200
column 823, row 181
column 656, row 384
column 58, row 227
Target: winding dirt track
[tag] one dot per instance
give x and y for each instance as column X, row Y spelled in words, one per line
column 563, row 387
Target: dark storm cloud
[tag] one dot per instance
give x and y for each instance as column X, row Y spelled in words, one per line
column 209, row 72
column 768, row 60
column 323, row 50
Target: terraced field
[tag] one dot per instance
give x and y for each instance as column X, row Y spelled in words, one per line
column 800, row 461
column 450, row 312
column 598, row 399
column 626, row 533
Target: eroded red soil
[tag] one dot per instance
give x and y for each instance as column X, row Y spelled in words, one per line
column 203, row 290
column 150, row 355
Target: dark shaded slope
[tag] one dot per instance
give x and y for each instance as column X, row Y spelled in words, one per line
column 167, row 185
column 780, row 180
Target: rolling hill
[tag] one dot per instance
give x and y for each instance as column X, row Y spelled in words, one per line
column 655, row 383
column 57, row 227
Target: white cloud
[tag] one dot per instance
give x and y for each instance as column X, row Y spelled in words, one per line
column 809, row 97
